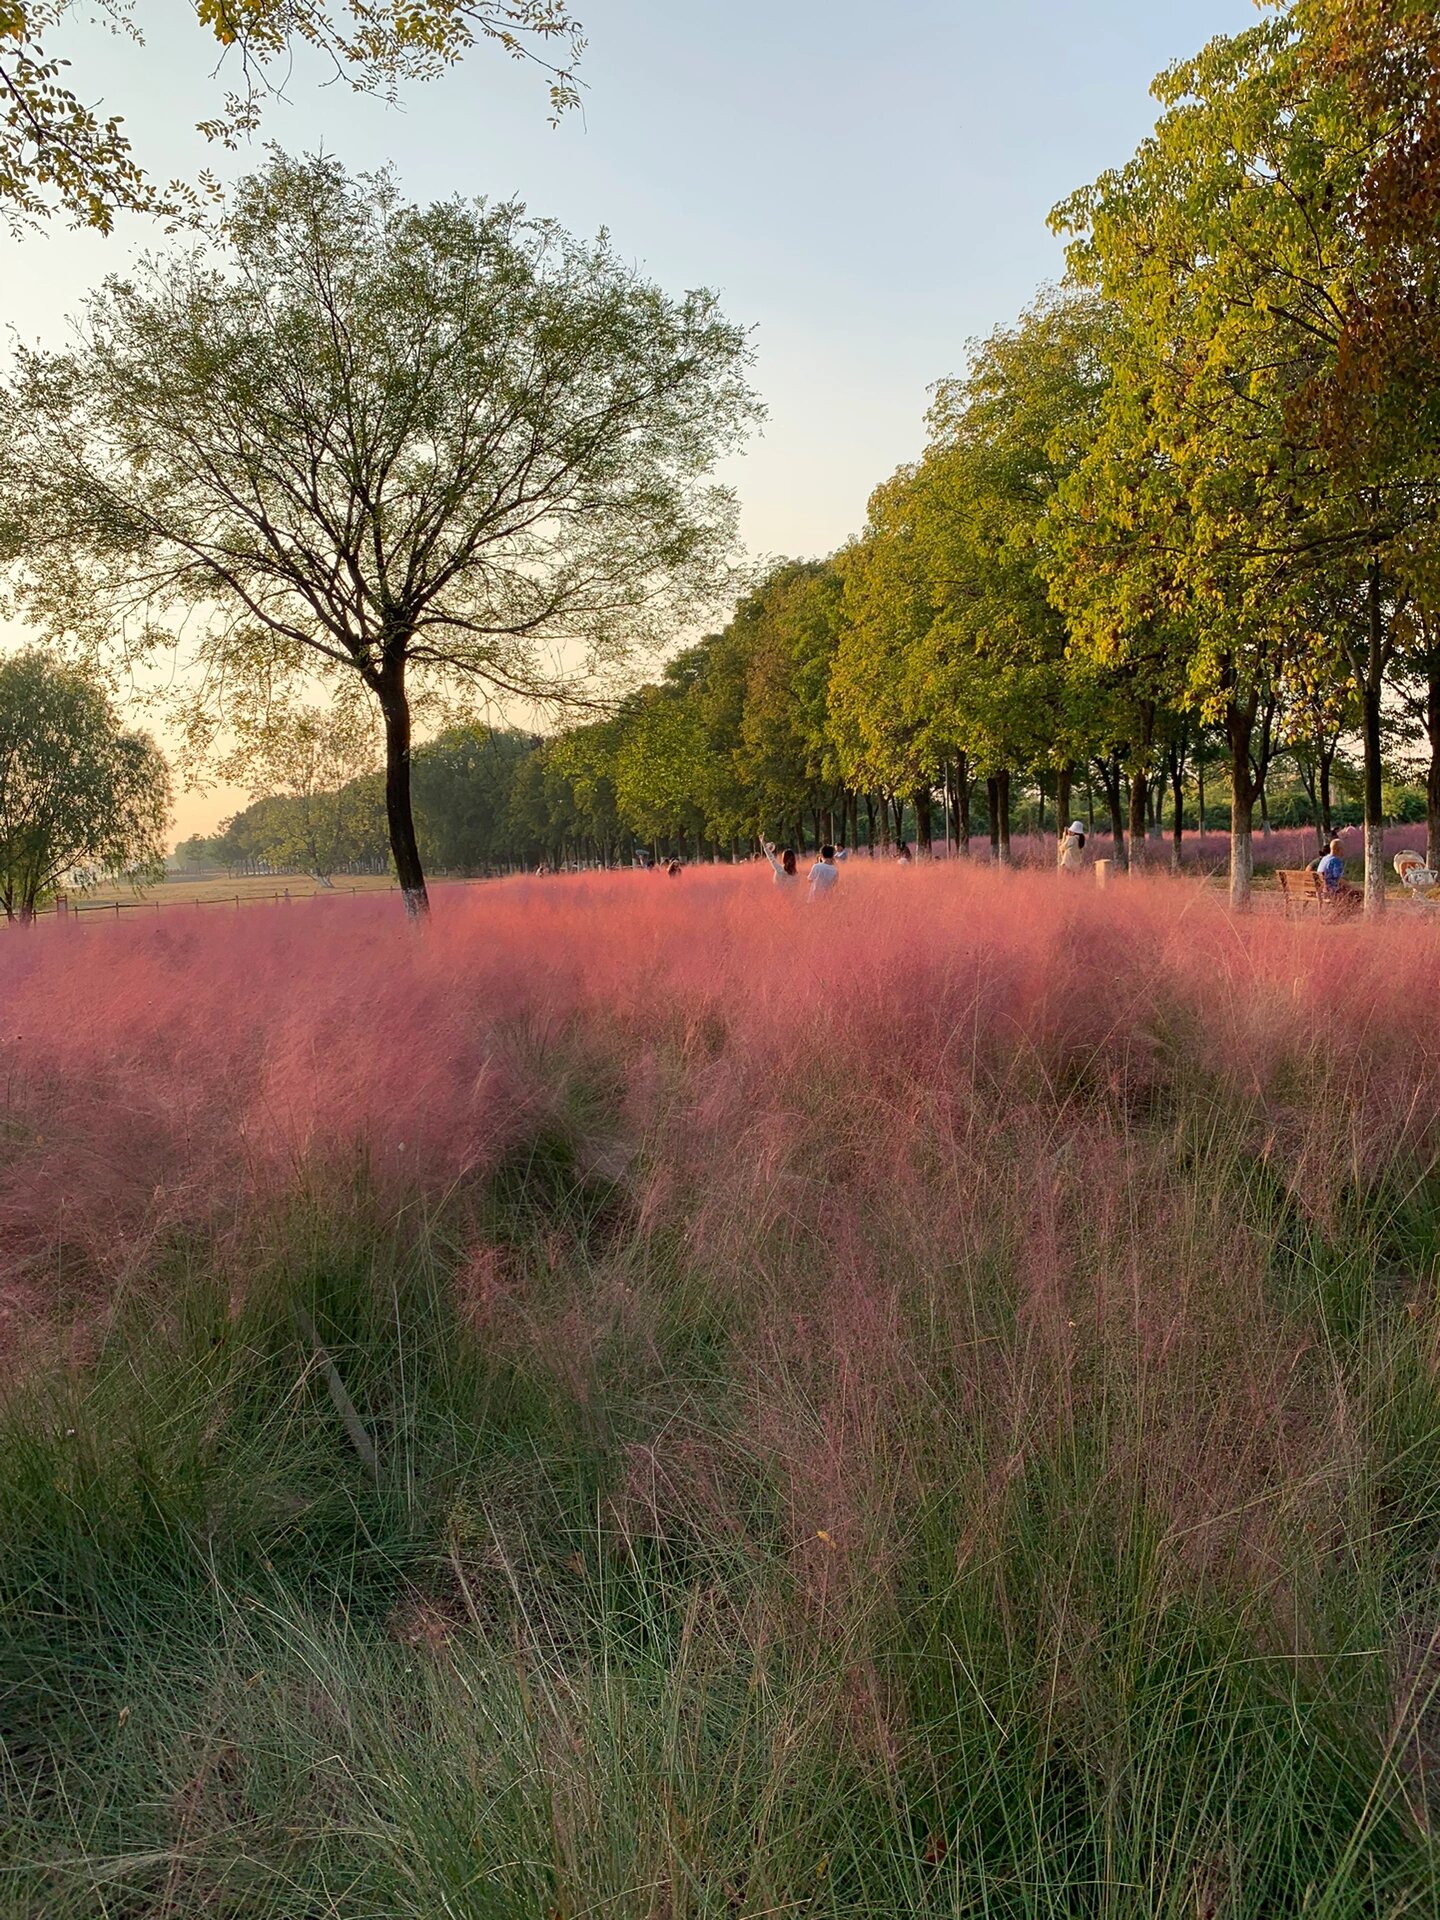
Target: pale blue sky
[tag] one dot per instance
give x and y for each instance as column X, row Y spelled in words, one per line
column 866, row 186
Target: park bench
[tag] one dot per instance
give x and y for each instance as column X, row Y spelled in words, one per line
column 1301, row 888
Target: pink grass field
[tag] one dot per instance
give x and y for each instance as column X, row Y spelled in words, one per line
column 887, row 1056
column 1282, row 847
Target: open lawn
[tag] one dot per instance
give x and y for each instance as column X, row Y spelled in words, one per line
column 650, row 1400
column 224, row 890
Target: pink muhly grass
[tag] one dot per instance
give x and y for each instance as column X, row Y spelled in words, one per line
column 764, row 1055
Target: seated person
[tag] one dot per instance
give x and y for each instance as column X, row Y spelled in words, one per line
column 1331, row 869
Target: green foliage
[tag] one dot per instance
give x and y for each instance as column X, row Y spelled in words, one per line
column 80, row 797
column 464, row 782
column 382, row 442
column 1251, row 414
column 322, row 807
column 573, row 1637
column 57, row 155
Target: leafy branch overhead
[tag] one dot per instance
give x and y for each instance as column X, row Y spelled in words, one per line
column 59, row 153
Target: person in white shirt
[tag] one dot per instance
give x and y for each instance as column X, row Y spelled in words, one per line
column 787, row 874
column 1071, row 856
column 824, row 873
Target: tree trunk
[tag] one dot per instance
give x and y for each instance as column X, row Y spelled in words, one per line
column 1370, row 723
column 1240, row 728
column 1200, row 793
column 1177, row 800
column 1374, row 819
column 399, row 815
column 1139, row 794
column 992, row 802
column 924, row 836
column 1432, row 778
column 962, row 802
column 1327, row 762
column 1308, row 771
column 1002, row 795
column 1110, row 775
column 1263, row 761
column 869, row 822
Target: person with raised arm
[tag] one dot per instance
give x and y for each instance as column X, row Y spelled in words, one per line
column 787, row 873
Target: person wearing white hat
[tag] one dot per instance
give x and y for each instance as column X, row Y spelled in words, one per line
column 1071, row 857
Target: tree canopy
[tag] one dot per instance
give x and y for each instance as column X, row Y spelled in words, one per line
column 80, row 795
column 380, row 443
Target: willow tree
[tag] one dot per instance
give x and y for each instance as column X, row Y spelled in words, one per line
column 381, row 441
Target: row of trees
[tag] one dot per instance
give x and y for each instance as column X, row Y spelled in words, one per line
column 1196, row 491
column 1246, row 501
column 324, row 810
column 1193, row 494
column 719, row 751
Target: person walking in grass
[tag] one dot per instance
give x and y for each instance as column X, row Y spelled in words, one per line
column 823, row 874
column 1071, row 857
column 787, row 873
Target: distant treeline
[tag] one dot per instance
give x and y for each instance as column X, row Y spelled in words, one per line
column 757, row 730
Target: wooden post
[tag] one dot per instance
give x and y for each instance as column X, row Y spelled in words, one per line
column 1102, row 872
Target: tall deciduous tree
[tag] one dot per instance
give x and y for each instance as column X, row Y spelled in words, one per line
column 661, row 777
column 887, row 710
column 378, row 440
column 787, row 632
column 78, row 792
column 1234, row 243
column 1003, row 439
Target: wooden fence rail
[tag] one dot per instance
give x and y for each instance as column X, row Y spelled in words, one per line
column 69, row 909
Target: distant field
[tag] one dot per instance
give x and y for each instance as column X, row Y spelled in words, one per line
column 223, row 891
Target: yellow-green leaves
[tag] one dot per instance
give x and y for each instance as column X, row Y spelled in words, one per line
column 60, row 153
